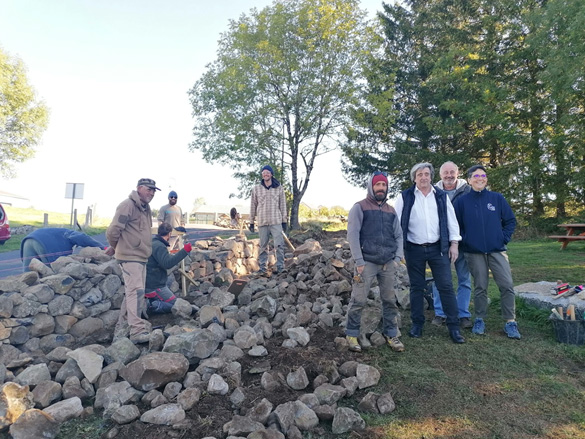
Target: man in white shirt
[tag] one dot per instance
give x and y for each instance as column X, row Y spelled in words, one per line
column 431, row 235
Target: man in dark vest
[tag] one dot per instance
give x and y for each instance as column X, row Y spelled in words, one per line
column 375, row 241
column 431, row 235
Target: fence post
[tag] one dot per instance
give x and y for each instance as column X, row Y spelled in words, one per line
column 88, row 217
column 46, row 220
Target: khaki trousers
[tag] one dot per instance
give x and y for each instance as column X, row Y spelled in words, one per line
column 134, row 274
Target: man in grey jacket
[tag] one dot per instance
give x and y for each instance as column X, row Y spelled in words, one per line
column 375, row 241
column 455, row 187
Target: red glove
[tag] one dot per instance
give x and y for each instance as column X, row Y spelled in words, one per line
column 187, row 247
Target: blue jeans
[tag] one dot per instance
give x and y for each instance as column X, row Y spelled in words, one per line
column 417, row 258
column 386, row 275
column 264, row 232
column 463, row 290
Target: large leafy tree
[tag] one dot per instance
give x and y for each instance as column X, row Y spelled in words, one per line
column 23, row 118
column 281, row 88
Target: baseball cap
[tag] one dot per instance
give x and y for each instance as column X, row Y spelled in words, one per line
column 148, row 182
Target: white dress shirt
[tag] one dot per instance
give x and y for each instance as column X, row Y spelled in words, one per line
column 423, row 225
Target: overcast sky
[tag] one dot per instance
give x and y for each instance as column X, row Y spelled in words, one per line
column 115, row 75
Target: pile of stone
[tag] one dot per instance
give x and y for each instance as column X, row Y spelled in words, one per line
column 56, row 358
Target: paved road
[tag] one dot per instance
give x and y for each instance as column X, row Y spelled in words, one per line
column 10, row 263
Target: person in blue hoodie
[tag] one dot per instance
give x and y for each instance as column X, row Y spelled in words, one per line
column 50, row 243
column 486, row 223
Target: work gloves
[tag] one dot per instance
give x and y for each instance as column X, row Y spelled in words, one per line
column 187, row 247
column 251, row 227
column 284, row 227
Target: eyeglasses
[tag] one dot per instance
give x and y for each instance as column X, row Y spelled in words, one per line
column 173, row 197
column 479, row 176
column 385, row 174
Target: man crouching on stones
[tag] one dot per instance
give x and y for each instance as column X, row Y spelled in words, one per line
column 375, row 241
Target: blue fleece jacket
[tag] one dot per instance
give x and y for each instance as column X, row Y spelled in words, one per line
column 486, row 221
column 59, row 242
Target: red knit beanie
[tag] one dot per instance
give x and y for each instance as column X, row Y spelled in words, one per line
column 379, row 177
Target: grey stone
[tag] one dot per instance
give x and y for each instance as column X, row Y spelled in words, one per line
column 220, row 298
column 34, row 424
column 310, row 400
column 237, row 397
column 269, row 382
column 122, row 351
column 367, row 375
column 299, row 334
column 19, row 335
column 324, row 412
column 261, row 411
column 72, row 388
column 182, row 308
column 40, row 292
column 245, row 337
column 172, row 389
column 65, row 410
column 195, row 345
column 51, row 341
column 86, row 328
column 89, row 363
column 386, row 404
column 60, row 283
column 26, row 308
column 297, row 379
column 266, row 434
column 348, row 368
column 60, row 305
column 167, row 414
column 241, row 425
column 210, row 314
column 125, row 414
column 264, row 307
column 231, row 352
column 69, row 368
column 155, row 370
column 6, row 306
column 33, row 375
column 368, row 403
column 114, row 396
column 258, row 351
column 329, row 393
column 217, row 385
column 350, row 384
column 45, row 393
column 345, row 420
column 189, row 397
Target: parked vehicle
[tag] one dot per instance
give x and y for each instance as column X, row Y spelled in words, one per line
column 4, row 226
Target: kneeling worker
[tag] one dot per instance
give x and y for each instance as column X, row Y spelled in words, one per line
column 160, row 297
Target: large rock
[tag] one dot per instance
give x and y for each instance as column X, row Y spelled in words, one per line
column 195, row 345
column 41, row 293
column 34, row 424
column 367, row 375
column 155, row 370
column 345, row 420
column 166, row 414
column 241, row 425
column 45, row 393
column 86, row 328
column 65, row 410
column 88, row 362
column 14, row 401
column 33, row 375
column 122, row 350
column 59, row 283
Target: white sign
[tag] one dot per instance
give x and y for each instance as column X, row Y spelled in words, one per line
column 74, row 190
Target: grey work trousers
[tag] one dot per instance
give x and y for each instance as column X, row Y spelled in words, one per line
column 480, row 265
column 386, row 275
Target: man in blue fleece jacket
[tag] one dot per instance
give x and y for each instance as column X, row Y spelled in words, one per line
column 50, row 243
column 487, row 223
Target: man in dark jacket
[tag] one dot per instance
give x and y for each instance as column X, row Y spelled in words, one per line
column 487, row 224
column 431, row 235
column 50, row 243
column 375, row 241
column 160, row 298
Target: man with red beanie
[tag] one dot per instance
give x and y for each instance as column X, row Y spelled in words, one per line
column 375, row 241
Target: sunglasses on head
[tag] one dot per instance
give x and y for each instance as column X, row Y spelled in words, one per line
column 385, row 174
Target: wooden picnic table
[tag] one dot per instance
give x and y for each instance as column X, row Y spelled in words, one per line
column 575, row 232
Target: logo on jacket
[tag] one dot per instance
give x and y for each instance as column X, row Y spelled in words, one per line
column 491, row 207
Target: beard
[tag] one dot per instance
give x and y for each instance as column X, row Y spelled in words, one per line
column 380, row 196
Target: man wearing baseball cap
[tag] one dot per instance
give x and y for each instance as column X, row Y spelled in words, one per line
column 130, row 237
column 171, row 214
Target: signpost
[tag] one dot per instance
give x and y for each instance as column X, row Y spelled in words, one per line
column 73, row 191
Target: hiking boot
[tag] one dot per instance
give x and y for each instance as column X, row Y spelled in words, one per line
column 143, row 337
column 465, row 323
column 395, row 344
column 438, row 321
column 478, row 327
column 416, row 331
column 354, row 344
column 511, row 330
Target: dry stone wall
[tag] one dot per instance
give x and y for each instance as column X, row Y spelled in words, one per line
column 57, row 353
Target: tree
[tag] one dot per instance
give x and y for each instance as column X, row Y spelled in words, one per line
column 23, row 118
column 280, row 90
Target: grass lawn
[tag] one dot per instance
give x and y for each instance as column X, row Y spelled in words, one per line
column 32, row 217
column 491, row 387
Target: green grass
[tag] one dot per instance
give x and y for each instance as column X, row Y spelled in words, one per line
column 491, row 387
column 32, row 217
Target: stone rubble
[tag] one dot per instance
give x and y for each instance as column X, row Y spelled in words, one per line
column 57, row 354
